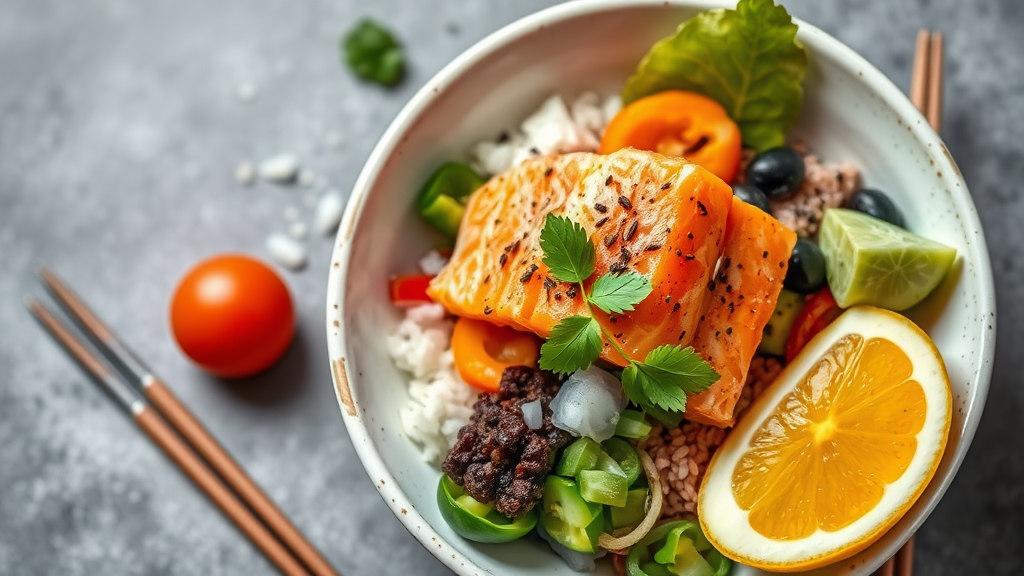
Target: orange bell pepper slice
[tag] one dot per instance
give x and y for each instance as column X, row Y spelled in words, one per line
column 483, row 351
column 677, row 123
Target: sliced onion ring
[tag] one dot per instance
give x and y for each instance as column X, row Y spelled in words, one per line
column 619, row 545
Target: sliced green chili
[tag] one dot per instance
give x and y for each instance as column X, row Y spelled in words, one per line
column 632, row 424
column 479, row 521
column 443, row 195
column 568, row 518
column 624, row 454
column 676, row 549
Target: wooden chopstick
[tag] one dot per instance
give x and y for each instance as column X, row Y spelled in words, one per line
column 161, row 397
column 157, row 429
column 926, row 82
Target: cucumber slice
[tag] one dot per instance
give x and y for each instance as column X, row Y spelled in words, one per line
column 869, row 261
column 776, row 332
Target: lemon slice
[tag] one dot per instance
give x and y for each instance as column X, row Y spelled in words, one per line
column 836, row 451
column 869, row 261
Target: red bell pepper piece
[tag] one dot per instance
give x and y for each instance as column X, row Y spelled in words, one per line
column 819, row 311
column 410, row 289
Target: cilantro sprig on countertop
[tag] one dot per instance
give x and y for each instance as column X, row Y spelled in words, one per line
column 659, row 384
column 373, row 53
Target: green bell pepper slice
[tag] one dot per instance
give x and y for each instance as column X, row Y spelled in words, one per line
column 632, row 512
column 578, row 456
column 441, row 201
column 632, row 424
column 676, row 549
column 624, row 454
column 568, row 518
column 479, row 521
column 602, row 487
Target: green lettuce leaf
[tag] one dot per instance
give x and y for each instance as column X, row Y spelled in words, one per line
column 747, row 59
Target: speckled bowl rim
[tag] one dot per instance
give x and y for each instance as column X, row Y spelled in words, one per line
column 817, row 41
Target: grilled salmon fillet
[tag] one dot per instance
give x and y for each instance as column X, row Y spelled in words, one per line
column 661, row 217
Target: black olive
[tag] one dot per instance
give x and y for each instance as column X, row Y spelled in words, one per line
column 806, row 272
column 751, row 195
column 778, row 172
column 877, row 204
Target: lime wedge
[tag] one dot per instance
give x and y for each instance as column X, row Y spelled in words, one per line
column 869, row 261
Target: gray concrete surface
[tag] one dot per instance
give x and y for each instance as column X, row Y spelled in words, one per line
column 119, row 133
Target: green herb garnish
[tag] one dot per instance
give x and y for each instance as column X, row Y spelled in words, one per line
column 747, row 59
column 660, row 383
column 373, row 53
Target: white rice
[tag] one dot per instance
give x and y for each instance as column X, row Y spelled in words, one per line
column 554, row 128
column 440, row 402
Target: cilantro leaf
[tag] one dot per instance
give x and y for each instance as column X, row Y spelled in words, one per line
column 616, row 293
column 574, row 344
column 568, row 251
column 662, row 381
column 373, row 53
column 747, row 59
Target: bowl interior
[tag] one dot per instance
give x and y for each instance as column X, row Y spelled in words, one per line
column 851, row 112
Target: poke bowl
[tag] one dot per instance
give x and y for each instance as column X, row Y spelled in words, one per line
column 537, row 99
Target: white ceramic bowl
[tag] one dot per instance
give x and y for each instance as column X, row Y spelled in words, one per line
column 851, row 112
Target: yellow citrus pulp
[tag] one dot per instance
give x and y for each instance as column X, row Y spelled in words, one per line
column 835, row 451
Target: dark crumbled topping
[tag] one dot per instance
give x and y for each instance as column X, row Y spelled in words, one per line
column 666, row 185
column 609, row 240
column 700, row 143
column 528, row 274
column 600, row 208
column 601, row 222
column 548, row 172
column 497, row 458
column 628, row 233
column 679, row 252
column 487, row 310
column 764, row 254
column 571, row 292
column 549, row 282
column 702, row 208
column 652, row 247
column 608, row 180
column 503, row 259
column 711, row 285
column 625, row 203
column 728, row 330
column 690, row 256
column 689, row 235
column 675, row 307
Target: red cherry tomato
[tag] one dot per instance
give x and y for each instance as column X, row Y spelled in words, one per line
column 410, row 290
column 818, row 312
column 233, row 316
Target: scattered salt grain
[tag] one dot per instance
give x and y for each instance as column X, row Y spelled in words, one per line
column 246, row 92
column 298, row 230
column 432, row 263
column 292, row 214
column 245, row 173
column 328, row 212
column 280, row 169
column 306, row 177
column 286, row 251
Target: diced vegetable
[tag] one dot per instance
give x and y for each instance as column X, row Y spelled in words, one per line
column 677, row 123
column 676, row 548
column 478, row 521
column 577, row 561
column 568, row 518
column 410, row 289
column 632, row 424
column 625, row 456
column 870, row 261
column 603, row 487
column 373, row 53
column 632, row 512
column 588, row 404
column 482, row 351
column 776, row 332
column 747, row 59
column 580, row 455
column 533, row 414
column 818, row 312
column 441, row 202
